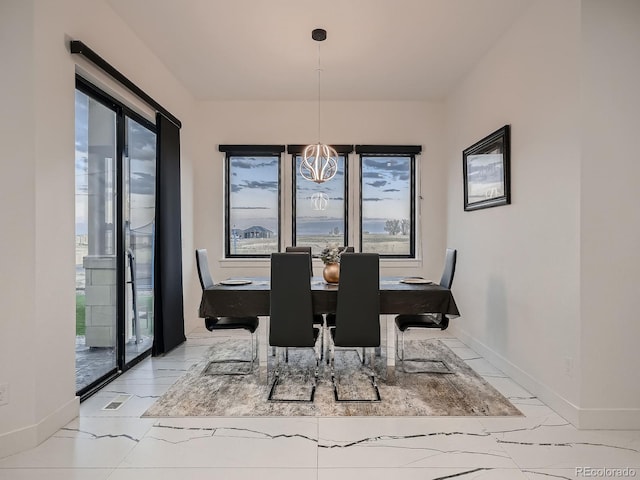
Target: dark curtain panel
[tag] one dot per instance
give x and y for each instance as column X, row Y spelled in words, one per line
column 168, row 306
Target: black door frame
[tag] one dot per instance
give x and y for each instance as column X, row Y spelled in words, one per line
column 122, row 112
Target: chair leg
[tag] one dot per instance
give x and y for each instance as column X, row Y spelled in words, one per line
column 315, row 373
column 252, row 352
column 402, row 351
column 251, row 361
column 444, row 370
column 372, row 378
column 276, row 378
column 327, row 333
column 276, row 373
column 399, row 354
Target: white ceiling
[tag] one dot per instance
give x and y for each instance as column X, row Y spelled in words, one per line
column 375, row 49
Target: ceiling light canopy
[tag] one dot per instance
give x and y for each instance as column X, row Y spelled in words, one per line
column 319, row 161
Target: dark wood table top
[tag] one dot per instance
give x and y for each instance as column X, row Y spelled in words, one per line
column 395, row 298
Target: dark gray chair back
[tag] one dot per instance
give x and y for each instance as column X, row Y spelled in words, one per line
column 202, row 262
column 291, row 322
column 449, row 268
column 358, row 309
column 302, row 250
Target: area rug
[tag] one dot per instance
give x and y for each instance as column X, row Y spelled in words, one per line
column 204, row 392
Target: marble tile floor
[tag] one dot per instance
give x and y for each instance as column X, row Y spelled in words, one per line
column 92, row 363
column 119, row 445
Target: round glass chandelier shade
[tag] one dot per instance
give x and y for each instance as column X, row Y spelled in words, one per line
column 319, row 163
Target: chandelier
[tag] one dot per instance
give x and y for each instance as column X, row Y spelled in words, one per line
column 319, row 201
column 319, row 161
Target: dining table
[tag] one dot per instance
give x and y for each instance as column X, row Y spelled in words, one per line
column 249, row 296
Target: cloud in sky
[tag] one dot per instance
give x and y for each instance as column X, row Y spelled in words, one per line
column 82, row 121
column 142, row 142
column 371, row 175
column 396, row 168
column 386, row 194
column 252, row 162
column 378, row 183
column 143, row 183
column 81, row 162
column 255, row 184
column 254, row 192
column 390, row 164
column 260, row 184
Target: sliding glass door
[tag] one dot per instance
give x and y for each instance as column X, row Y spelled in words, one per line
column 115, row 165
column 96, row 305
column 139, row 220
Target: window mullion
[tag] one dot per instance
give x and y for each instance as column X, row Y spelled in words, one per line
column 354, row 201
column 286, row 206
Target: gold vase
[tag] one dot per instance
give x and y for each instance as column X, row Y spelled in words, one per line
column 331, row 272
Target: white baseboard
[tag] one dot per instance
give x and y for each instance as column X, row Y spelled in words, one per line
column 583, row 418
column 609, row 418
column 553, row 400
column 31, row 436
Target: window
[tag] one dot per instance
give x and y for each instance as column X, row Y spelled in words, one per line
column 320, row 210
column 253, row 200
column 320, row 214
column 387, row 200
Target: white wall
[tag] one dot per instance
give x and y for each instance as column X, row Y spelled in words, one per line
column 37, row 334
column 290, row 123
column 550, row 287
column 610, row 223
column 518, row 276
column 17, row 215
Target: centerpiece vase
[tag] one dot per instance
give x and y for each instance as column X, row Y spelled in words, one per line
column 331, row 272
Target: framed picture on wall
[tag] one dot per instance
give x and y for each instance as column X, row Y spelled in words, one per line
column 485, row 167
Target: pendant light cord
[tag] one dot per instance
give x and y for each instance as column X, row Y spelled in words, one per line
column 319, row 71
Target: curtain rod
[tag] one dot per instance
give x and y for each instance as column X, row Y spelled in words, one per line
column 77, row 47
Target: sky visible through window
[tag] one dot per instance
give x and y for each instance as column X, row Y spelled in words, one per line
column 82, row 154
column 142, row 153
column 141, row 150
column 320, row 209
column 386, row 204
column 386, row 213
column 253, row 204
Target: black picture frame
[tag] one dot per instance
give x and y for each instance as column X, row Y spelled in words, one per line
column 486, row 171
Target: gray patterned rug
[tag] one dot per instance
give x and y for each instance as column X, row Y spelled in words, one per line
column 203, row 392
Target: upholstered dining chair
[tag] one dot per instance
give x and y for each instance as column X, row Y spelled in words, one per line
column 291, row 249
column 427, row 320
column 357, row 318
column 318, row 318
column 330, row 318
column 291, row 312
column 226, row 323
